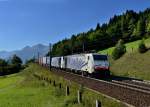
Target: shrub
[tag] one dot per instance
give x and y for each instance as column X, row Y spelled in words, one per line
column 119, row 50
column 142, row 48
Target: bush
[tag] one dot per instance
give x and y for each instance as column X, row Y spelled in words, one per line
column 142, row 48
column 14, row 67
column 32, row 60
column 119, row 50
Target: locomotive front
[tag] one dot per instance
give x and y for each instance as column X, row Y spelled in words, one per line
column 101, row 64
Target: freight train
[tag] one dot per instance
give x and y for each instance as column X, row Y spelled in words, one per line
column 86, row 64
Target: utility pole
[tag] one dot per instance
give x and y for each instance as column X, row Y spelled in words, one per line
column 83, row 47
column 71, row 49
column 34, row 58
column 50, row 55
column 38, row 57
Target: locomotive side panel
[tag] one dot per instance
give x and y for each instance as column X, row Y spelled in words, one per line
column 44, row 60
column 48, row 61
column 56, row 62
column 77, row 62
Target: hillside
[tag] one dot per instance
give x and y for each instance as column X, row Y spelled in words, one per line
column 132, row 64
column 129, row 26
column 130, row 47
column 26, row 90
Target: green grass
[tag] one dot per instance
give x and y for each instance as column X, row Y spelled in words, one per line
column 25, row 90
column 132, row 65
column 7, row 81
column 130, row 47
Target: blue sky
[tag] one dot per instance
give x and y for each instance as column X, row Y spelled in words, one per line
column 29, row 22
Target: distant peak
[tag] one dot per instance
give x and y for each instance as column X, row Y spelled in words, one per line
column 39, row 45
column 27, row 47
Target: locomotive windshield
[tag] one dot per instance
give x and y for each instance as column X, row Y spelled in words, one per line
column 101, row 60
column 100, row 57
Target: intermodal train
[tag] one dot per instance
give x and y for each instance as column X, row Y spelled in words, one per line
column 93, row 64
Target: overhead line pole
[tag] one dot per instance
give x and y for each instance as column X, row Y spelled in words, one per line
column 50, row 55
column 83, row 47
column 38, row 57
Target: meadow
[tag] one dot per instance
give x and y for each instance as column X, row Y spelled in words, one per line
column 26, row 90
column 130, row 47
column 132, row 63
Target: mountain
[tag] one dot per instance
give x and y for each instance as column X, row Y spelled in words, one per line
column 27, row 52
column 4, row 54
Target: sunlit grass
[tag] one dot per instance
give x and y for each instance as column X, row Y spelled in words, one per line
column 132, row 65
column 130, row 47
column 28, row 91
column 7, row 81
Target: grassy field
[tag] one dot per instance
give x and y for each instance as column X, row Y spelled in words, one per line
column 26, row 90
column 132, row 64
column 130, row 47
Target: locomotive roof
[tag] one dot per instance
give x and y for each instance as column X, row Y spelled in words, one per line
column 86, row 54
column 80, row 54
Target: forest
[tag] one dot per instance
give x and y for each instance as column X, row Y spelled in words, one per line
column 11, row 66
column 129, row 26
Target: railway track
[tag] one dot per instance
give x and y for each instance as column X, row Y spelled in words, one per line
column 134, row 86
column 130, row 93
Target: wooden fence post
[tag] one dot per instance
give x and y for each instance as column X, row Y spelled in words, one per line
column 60, row 86
column 98, row 103
column 54, row 84
column 79, row 97
column 67, row 91
column 50, row 81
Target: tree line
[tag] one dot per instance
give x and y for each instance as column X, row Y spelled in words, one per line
column 129, row 26
column 11, row 66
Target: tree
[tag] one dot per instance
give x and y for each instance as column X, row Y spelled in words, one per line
column 124, row 27
column 32, row 60
column 16, row 64
column 119, row 50
column 148, row 26
column 129, row 26
column 98, row 27
column 148, row 29
column 3, row 65
column 73, row 40
column 114, row 33
column 16, row 60
column 139, row 30
column 142, row 48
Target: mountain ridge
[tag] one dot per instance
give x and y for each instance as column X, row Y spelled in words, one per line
column 26, row 53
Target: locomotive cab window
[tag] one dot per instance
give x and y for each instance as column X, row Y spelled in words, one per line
column 101, row 61
column 100, row 57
